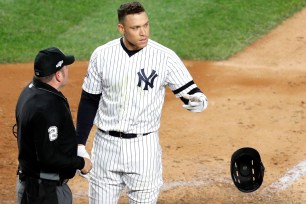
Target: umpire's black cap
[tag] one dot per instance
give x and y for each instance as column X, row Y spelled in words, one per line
column 50, row 60
column 247, row 170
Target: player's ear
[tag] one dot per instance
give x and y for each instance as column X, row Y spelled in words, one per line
column 121, row 28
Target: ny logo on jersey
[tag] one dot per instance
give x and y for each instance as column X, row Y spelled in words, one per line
column 147, row 80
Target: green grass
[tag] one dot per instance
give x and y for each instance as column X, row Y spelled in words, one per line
column 194, row 29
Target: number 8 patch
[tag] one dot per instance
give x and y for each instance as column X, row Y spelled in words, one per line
column 53, row 133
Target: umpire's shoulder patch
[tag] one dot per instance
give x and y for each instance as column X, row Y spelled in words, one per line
column 53, row 133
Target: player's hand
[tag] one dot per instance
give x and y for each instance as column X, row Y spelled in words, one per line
column 197, row 102
column 82, row 151
column 87, row 166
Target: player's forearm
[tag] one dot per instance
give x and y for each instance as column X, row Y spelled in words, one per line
column 86, row 113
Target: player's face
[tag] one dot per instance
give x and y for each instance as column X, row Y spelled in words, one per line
column 135, row 30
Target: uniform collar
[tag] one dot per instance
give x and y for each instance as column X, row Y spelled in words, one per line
column 129, row 52
column 46, row 87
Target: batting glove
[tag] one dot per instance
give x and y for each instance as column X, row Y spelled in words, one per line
column 85, row 176
column 83, row 153
column 197, row 102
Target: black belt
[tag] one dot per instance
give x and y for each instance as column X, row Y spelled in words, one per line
column 123, row 135
column 60, row 182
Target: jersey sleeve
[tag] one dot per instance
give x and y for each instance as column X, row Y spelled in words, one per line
column 93, row 80
column 179, row 79
column 86, row 113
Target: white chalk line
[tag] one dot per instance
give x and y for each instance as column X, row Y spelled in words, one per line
column 291, row 176
column 288, row 179
column 175, row 184
column 281, row 184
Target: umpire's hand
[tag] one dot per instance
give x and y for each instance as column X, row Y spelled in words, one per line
column 87, row 167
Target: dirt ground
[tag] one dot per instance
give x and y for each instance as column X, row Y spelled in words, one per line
column 257, row 99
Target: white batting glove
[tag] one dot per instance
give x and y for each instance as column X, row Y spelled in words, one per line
column 85, row 176
column 83, row 153
column 197, row 102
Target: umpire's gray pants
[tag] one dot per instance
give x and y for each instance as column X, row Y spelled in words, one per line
column 63, row 192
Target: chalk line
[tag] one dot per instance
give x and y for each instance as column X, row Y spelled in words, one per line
column 289, row 178
column 292, row 175
column 174, row 184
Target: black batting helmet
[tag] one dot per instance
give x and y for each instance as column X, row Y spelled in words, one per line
column 247, row 170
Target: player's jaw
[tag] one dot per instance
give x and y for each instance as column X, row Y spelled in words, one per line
column 135, row 41
column 143, row 42
column 131, row 44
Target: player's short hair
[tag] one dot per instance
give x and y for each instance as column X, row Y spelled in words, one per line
column 129, row 8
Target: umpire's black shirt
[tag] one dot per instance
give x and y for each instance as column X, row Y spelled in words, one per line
column 46, row 133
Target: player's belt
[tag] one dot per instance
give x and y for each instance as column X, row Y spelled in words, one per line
column 123, row 135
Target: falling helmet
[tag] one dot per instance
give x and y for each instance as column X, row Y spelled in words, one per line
column 247, row 170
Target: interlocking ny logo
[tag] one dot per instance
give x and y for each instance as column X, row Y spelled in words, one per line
column 147, row 80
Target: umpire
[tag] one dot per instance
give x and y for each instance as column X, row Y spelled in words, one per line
column 46, row 134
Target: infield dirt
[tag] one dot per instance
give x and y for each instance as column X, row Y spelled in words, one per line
column 257, row 98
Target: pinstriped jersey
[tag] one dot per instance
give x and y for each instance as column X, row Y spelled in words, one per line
column 133, row 87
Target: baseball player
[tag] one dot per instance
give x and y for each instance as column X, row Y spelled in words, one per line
column 123, row 94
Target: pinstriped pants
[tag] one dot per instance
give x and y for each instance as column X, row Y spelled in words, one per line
column 134, row 164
